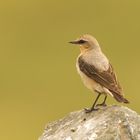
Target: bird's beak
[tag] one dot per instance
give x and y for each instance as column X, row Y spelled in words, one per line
column 74, row 42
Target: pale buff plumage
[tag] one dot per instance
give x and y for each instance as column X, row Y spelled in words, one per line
column 95, row 69
column 93, row 56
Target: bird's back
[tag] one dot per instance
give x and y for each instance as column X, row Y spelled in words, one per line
column 96, row 58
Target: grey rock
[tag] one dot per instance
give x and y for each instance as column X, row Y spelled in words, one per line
column 108, row 123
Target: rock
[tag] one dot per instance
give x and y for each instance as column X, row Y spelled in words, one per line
column 108, row 123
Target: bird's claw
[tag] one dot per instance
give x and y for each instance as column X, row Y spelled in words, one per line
column 90, row 110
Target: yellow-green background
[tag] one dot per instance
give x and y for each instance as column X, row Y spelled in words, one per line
column 38, row 79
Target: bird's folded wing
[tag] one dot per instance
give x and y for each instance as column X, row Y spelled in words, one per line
column 105, row 78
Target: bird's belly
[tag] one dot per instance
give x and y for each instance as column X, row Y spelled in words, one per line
column 90, row 83
column 93, row 85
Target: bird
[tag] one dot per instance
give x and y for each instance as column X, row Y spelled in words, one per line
column 96, row 71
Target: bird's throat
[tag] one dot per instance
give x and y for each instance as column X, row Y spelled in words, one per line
column 83, row 49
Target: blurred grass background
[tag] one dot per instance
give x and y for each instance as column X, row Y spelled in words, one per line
column 38, row 78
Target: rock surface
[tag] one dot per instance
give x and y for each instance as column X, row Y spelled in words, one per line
column 108, row 123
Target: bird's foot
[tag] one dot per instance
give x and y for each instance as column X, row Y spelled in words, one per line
column 102, row 104
column 90, row 110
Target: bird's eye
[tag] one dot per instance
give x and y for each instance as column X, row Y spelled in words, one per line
column 81, row 41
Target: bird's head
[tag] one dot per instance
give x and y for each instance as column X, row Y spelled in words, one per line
column 86, row 42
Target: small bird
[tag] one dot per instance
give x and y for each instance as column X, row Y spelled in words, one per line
column 96, row 71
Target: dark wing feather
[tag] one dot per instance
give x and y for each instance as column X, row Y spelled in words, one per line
column 105, row 78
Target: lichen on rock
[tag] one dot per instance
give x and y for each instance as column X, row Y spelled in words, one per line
column 108, row 123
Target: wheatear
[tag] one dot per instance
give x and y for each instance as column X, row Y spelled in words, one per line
column 96, row 71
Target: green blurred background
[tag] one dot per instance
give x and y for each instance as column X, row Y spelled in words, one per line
column 38, row 78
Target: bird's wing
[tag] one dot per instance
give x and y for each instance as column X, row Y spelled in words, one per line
column 105, row 78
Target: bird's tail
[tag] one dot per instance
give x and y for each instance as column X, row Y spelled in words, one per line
column 120, row 98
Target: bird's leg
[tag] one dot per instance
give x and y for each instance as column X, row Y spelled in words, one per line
column 103, row 103
column 94, row 104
